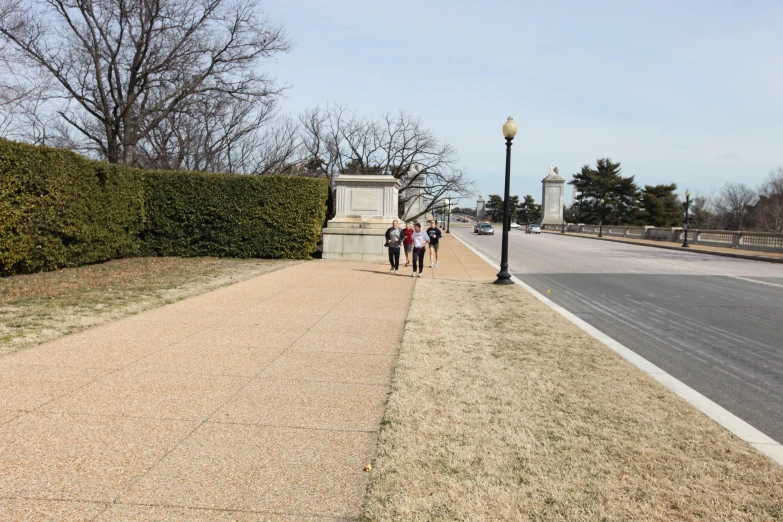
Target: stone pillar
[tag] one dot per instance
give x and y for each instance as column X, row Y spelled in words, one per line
column 480, row 209
column 365, row 207
column 552, row 198
column 416, row 203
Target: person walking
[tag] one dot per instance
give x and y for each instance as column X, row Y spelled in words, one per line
column 407, row 243
column 394, row 239
column 434, row 234
column 420, row 240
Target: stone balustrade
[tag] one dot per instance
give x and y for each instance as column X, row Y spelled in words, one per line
column 764, row 241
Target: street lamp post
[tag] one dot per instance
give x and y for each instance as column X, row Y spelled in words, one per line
column 687, row 204
column 448, row 215
column 509, row 131
column 601, row 223
column 563, row 230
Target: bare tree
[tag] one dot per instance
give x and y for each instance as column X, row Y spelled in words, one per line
column 337, row 141
column 220, row 133
column 126, row 65
column 23, row 90
column 702, row 213
column 733, row 205
column 768, row 212
column 271, row 150
column 323, row 146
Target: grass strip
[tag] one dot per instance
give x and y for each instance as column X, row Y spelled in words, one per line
column 502, row 410
column 40, row 307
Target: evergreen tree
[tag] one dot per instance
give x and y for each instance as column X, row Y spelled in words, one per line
column 620, row 194
column 513, row 205
column 661, row 207
column 529, row 211
column 494, row 208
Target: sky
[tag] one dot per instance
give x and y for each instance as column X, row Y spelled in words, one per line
column 687, row 92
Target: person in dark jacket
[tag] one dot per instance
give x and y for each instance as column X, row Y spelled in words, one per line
column 394, row 238
column 435, row 235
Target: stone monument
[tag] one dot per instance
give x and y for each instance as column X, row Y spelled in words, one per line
column 365, row 207
column 480, row 209
column 416, row 204
column 552, row 197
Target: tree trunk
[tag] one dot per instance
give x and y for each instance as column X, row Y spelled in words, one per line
column 127, row 155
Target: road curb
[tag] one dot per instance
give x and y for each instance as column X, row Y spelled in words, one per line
column 736, row 426
column 735, row 255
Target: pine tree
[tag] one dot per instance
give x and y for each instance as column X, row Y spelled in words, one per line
column 661, row 207
column 494, row 208
column 620, row 194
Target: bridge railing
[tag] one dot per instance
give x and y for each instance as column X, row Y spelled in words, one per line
column 764, row 241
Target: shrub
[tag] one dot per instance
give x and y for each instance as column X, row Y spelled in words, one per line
column 60, row 209
column 202, row 214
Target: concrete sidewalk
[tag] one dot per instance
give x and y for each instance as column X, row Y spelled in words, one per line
column 457, row 261
column 258, row 401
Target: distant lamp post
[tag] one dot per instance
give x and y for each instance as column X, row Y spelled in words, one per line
column 448, row 215
column 601, row 223
column 563, row 230
column 509, row 131
column 687, row 204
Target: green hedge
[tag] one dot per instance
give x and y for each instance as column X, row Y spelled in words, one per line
column 60, row 209
column 202, row 214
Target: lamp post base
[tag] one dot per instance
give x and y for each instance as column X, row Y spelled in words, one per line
column 503, row 279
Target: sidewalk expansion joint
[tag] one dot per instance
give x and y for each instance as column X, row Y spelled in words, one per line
column 289, row 426
column 208, row 418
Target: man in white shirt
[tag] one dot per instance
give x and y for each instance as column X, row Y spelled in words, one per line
column 420, row 240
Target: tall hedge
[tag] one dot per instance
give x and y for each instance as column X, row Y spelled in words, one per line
column 202, row 214
column 59, row 209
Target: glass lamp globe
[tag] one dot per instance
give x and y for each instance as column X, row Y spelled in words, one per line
column 509, row 128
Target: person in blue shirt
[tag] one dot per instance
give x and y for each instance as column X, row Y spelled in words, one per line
column 434, row 233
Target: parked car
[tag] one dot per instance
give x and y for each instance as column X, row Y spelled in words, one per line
column 485, row 229
column 515, row 225
column 533, row 229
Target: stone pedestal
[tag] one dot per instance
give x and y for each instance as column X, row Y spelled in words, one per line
column 552, row 198
column 480, row 209
column 365, row 207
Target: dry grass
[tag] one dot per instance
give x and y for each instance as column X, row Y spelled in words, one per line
column 39, row 307
column 502, row 410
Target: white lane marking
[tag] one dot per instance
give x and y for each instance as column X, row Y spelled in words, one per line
column 738, row 427
column 754, row 281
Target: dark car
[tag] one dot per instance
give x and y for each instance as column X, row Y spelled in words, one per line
column 485, row 229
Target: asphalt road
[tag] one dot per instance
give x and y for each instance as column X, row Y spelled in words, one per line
column 714, row 323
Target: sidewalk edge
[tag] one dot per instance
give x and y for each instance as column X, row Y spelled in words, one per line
column 736, row 426
column 735, row 255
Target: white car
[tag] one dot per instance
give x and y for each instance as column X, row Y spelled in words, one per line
column 515, row 225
